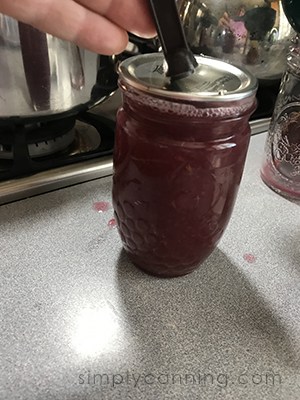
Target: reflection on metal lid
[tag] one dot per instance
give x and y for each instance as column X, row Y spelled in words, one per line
column 213, row 80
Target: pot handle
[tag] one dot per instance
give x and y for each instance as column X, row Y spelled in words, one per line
column 34, row 48
column 107, row 78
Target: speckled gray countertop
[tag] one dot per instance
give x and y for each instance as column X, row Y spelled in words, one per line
column 78, row 321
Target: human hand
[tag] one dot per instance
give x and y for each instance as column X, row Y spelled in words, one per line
column 98, row 25
column 224, row 20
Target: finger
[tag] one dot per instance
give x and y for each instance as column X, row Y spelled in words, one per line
column 70, row 21
column 227, row 18
column 132, row 15
column 223, row 22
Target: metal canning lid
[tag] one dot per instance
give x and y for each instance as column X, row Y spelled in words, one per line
column 213, row 80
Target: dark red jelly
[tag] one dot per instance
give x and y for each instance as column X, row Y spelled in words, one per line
column 177, row 168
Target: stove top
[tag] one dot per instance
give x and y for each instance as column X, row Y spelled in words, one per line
column 42, row 146
column 45, row 156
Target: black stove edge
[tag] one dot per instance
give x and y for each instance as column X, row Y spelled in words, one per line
column 58, row 178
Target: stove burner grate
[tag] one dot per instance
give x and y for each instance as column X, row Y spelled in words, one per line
column 35, row 147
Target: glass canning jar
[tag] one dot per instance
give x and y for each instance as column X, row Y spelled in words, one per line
column 178, row 163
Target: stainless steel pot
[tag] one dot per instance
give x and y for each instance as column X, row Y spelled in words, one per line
column 41, row 75
column 250, row 33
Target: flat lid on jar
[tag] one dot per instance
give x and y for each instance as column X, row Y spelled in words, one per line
column 213, row 80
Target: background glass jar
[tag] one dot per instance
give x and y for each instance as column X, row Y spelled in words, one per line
column 177, row 167
column 281, row 165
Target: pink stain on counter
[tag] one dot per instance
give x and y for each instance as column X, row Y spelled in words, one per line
column 102, row 206
column 250, row 258
column 112, row 223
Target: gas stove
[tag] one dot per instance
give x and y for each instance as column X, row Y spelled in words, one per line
column 44, row 156
column 37, row 147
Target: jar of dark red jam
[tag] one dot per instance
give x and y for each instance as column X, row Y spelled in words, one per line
column 178, row 161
